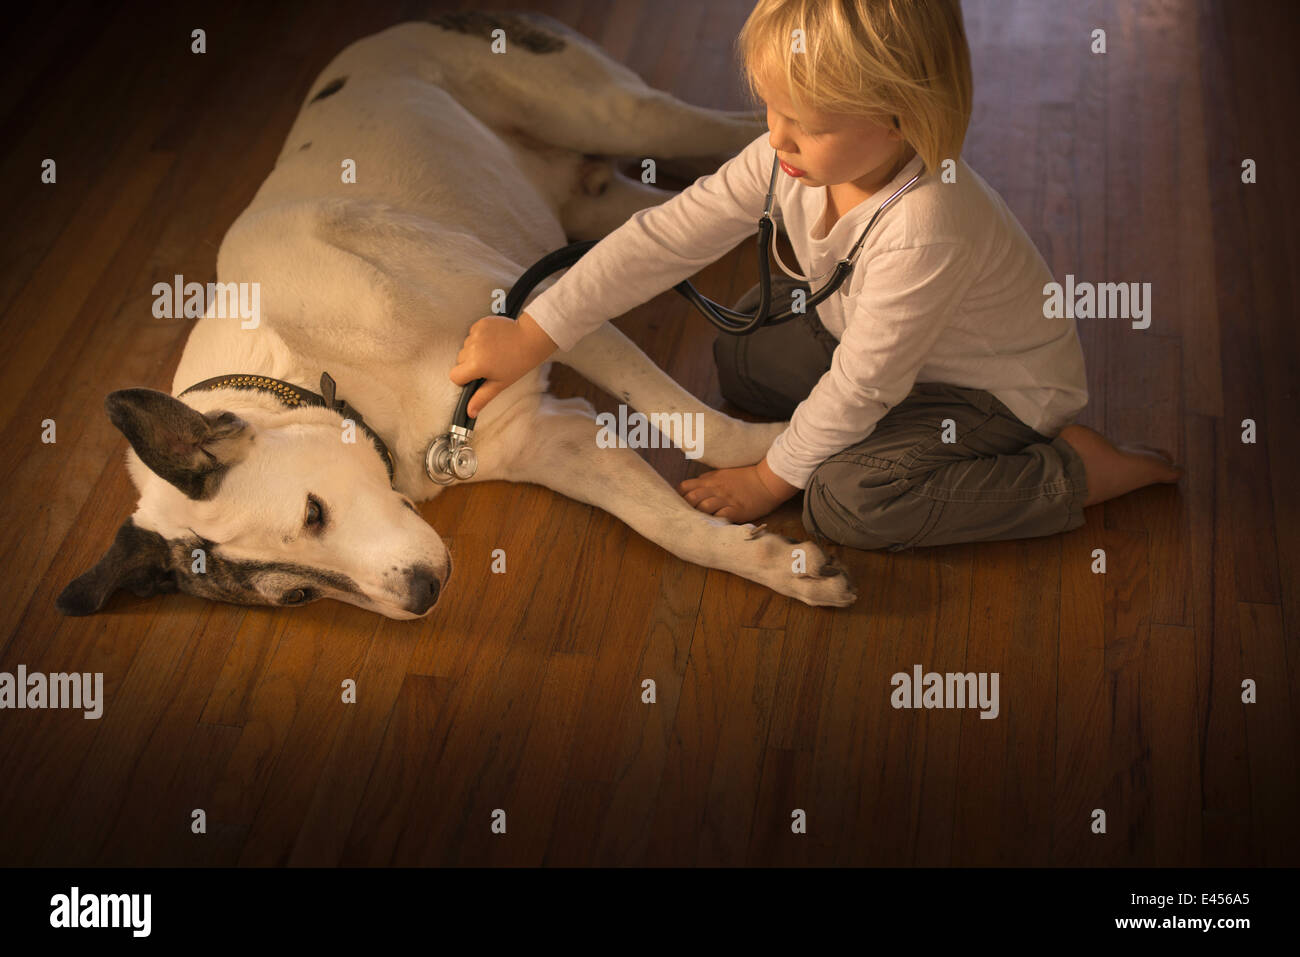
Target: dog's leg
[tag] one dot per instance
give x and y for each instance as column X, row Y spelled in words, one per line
column 605, row 200
column 557, row 448
column 612, row 361
column 559, row 87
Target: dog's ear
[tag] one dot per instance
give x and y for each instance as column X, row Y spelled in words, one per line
column 138, row 559
column 189, row 449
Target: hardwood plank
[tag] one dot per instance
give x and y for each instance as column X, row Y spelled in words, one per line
column 1083, row 712
column 206, row 752
column 1005, row 764
column 506, row 690
column 337, row 797
column 1271, row 734
column 336, row 654
column 729, row 800
column 574, row 834
column 1144, row 407
column 388, row 814
column 54, row 123
column 164, row 768
column 893, row 749
column 60, row 289
column 801, row 677
column 939, row 785
column 538, row 519
column 539, row 785
column 86, row 810
column 256, row 639
column 1169, row 712
column 472, row 527
column 275, row 708
column 49, row 747
column 1260, row 246
column 785, row 787
column 700, row 712
column 1245, row 390
column 501, row 688
column 1068, row 231
column 1225, row 784
column 636, row 748
column 854, row 661
column 1196, row 279
column 1126, row 794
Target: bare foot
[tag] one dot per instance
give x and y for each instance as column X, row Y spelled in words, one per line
column 1116, row 470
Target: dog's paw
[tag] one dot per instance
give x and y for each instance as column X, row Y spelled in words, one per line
column 799, row 569
column 828, row 585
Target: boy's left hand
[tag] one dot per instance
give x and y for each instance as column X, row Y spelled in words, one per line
column 738, row 495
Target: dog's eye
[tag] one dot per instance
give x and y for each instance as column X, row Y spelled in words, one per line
column 315, row 513
column 296, row 596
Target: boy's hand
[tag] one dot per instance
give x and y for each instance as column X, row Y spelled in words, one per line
column 740, row 494
column 499, row 350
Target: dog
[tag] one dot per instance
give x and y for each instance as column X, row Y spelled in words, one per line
column 467, row 166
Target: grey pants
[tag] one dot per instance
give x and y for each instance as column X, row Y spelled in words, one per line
column 904, row 485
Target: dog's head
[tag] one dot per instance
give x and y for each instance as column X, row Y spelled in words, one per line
column 281, row 512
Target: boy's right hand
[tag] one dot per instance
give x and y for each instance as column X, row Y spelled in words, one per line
column 499, row 350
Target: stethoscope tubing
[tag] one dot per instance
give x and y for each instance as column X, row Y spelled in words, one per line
column 727, row 320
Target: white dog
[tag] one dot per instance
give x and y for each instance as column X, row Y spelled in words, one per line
column 469, row 166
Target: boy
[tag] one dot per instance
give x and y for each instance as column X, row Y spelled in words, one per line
column 930, row 399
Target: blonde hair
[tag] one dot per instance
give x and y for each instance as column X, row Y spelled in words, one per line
column 907, row 59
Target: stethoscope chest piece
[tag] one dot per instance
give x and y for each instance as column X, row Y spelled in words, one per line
column 450, row 458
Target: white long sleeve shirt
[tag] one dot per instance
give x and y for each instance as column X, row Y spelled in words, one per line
column 948, row 288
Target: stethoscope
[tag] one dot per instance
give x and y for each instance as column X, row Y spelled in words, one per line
column 449, row 456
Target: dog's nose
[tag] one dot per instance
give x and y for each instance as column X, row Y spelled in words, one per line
column 423, row 588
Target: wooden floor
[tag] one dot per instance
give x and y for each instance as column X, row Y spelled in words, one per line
column 1121, row 692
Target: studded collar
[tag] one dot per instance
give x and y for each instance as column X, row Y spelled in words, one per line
column 296, row 396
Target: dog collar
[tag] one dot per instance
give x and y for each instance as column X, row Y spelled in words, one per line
column 295, row 396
